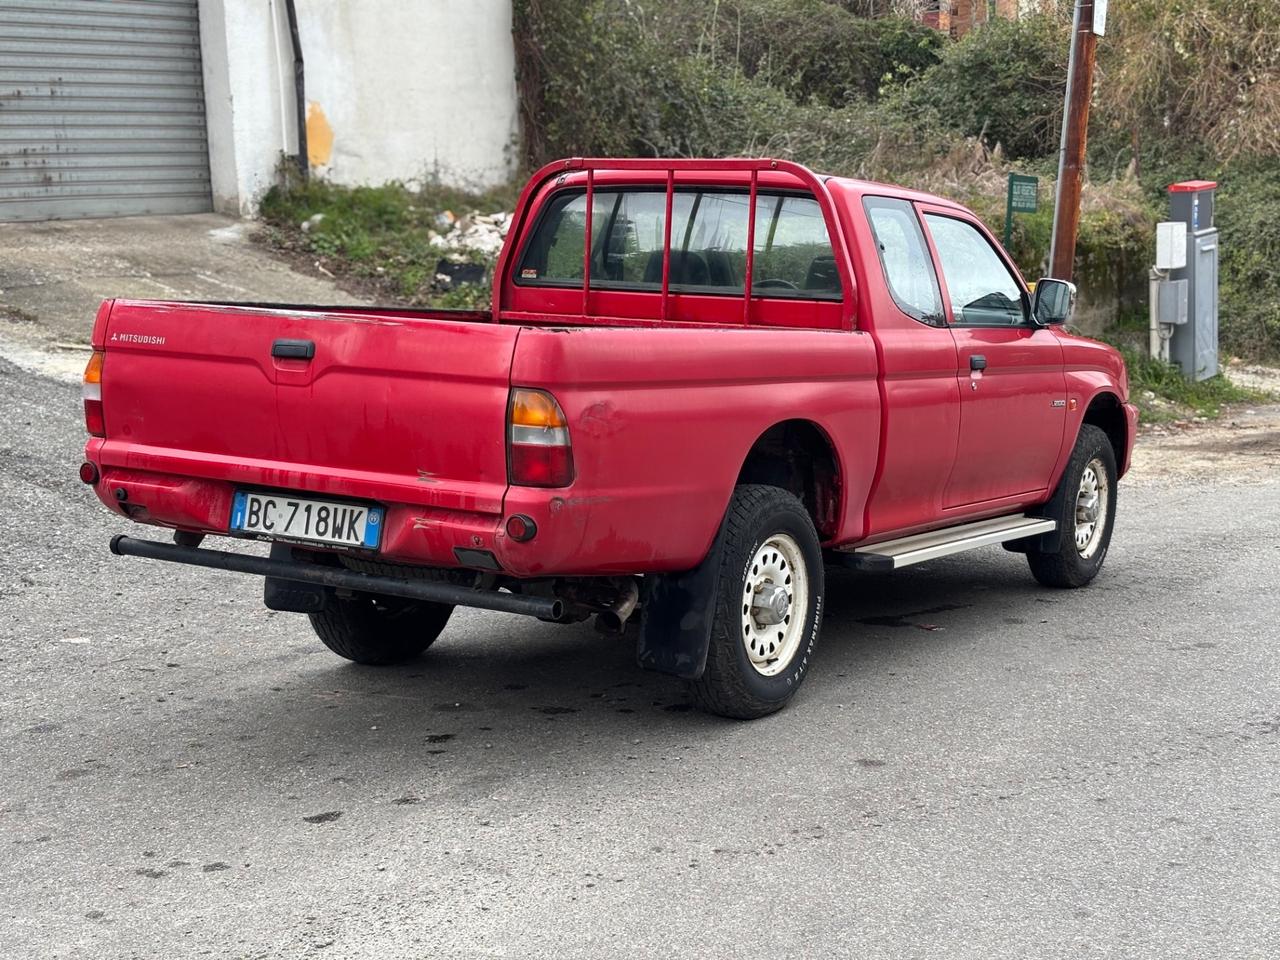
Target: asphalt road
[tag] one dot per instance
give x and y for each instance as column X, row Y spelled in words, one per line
column 976, row 768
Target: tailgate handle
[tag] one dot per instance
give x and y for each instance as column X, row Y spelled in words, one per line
column 977, row 362
column 294, row 349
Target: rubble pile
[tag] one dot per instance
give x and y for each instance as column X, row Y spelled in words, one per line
column 469, row 244
column 471, row 233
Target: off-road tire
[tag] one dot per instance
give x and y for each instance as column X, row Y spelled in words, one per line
column 1065, row 567
column 731, row 686
column 378, row 631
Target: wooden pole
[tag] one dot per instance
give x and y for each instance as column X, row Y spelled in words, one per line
column 1075, row 138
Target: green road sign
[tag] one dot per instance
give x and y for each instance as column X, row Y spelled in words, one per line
column 1023, row 193
column 1023, row 197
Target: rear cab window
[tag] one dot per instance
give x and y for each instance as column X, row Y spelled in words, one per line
column 792, row 258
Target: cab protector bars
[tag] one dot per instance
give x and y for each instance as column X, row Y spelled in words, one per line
column 435, row 592
column 671, row 167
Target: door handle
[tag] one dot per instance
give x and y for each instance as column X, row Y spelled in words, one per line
column 293, row 349
column 977, row 362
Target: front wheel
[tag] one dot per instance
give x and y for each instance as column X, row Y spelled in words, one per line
column 768, row 605
column 1085, row 508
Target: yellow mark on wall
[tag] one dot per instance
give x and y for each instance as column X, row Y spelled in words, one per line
column 319, row 136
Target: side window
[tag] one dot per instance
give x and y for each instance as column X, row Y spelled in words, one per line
column 905, row 259
column 792, row 258
column 554, row 253
column 708, row 243
column 793, row 255
column 983, row 292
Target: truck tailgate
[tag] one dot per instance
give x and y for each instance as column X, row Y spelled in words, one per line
column 409, row 408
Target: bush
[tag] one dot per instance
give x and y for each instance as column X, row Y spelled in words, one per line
column 1201, row 73
column 1248, row 218
column 606, row 78
column 1004, row 82
column 815, row 50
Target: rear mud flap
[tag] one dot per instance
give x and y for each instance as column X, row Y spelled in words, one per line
column 675, row 618
column 292, row 596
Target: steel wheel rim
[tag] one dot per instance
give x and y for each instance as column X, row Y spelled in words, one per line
column 1092, row 503
column 775, row 600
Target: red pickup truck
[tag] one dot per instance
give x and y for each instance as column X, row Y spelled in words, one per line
column 701, row 381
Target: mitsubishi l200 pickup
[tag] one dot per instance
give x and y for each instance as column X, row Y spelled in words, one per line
column 700, row 382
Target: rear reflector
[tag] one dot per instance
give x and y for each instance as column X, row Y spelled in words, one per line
column 91, row 391
column 521, row 528
column 88, row 473
column 538, row 449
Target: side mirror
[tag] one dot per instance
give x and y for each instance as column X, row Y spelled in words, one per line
column 1053, row 302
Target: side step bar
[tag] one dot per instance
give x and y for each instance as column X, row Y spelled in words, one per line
column 903, row 552
column 545, row 607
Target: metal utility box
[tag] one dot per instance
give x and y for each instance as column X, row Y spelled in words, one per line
column 1172, row 298
column 1194, row 346
column 1171, row 245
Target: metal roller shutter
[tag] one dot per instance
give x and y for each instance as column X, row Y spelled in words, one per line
column 101, row 109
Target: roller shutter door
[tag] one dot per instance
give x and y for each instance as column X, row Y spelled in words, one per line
column 101, row 109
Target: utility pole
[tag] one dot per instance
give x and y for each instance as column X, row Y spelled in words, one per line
column 1087, row 24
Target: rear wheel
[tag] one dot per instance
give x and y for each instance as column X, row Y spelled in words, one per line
column 1085, row 511
column 768, row 605
column 377, row 630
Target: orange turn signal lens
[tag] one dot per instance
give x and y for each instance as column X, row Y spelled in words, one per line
column 535, row 408
column 93, row 369
column 91, row 392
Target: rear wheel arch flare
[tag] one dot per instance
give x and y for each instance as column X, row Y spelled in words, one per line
column 799, row 456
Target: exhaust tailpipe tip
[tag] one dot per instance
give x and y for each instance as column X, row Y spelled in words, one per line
column 614, row 618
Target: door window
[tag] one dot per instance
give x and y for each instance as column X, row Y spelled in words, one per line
column 904, row 257
column 982, row 290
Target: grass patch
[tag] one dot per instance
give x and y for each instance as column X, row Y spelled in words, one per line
column 1163, row 395
column 378, row 239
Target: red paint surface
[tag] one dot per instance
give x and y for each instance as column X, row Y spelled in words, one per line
column 408, row 408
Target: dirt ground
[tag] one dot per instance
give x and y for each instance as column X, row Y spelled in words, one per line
column 1243, row 446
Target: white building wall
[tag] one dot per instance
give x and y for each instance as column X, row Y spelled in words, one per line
column 396, row 90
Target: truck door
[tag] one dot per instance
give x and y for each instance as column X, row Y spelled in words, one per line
column 918, row 367
column 1011, row 382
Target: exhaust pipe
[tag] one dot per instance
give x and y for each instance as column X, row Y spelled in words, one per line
column 613, row 619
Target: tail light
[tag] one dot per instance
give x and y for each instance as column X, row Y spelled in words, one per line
column 538, row 450
column 91, row 390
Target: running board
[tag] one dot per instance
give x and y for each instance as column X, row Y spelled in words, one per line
column 893, row 554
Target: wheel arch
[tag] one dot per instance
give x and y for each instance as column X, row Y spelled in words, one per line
column 1106, row 412
column 798, row 455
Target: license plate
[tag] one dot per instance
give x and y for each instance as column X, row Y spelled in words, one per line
column 299, row 518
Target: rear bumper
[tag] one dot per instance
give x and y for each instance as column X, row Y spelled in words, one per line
column 412, row 533
column 576, row 534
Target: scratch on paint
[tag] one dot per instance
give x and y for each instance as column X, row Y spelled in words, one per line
column 426, row 476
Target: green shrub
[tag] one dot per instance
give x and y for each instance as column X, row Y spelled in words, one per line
column 607, row 78
column 1248, row 218
column 378, row 238
column 816, row 50
column 1162, row 393
column 1004, row 82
